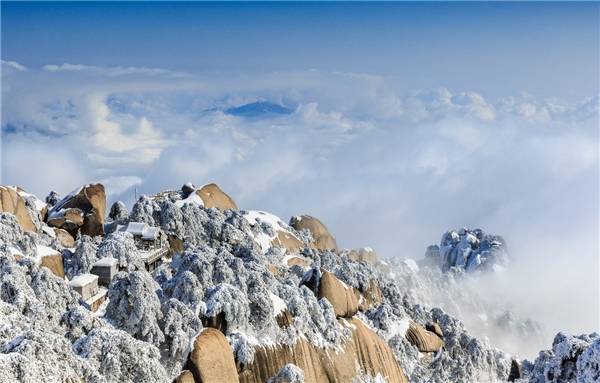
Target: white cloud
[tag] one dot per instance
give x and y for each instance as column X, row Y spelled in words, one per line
column 12, row 65
column 381, row 165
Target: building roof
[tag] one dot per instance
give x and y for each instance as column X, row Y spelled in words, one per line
column 136, row 228
column 150, row 233
column 141, row 229
column 105, row 262
column 83, row 280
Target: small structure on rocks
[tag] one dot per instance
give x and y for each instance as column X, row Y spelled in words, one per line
column 86, row 285
column 106, row 269
column 151, row 241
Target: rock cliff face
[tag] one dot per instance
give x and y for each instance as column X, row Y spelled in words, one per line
column 82, row 210
column 235, row 302
column 323, row 240
column 12, row 202
column 362, row 353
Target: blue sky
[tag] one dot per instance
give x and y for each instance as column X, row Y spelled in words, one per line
column 492, row 48
column 402, row 120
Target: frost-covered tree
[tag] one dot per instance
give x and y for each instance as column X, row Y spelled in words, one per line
column 84, row 257
column 121, row 246
column 290, row 373
column 242, row 347
column 134, row 306
column 198, row 261
column 232, row 303
column 78, row 322
column 193, row 220
column 186, row 288
column 261, row 306
column 119, row 213
column 588, row 363
column 179, row 324
column 120, row 358
column 145, row 210
column 38, row 355
column 171, row 219
column 571, row 359
column 52, row 198
column 13, row 237
column 222, row 273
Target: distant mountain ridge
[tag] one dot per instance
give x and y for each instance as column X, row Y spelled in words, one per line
column 259, row 109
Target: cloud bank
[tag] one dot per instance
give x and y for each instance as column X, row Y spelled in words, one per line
column 383, row 166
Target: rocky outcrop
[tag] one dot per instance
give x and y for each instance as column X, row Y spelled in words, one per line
column 365, row 254
column 82, row 210
column 287, row 241
column 69, row 220
column 186, row 376
column 12, row 202
column 213, row 196
column 363, row 353
column 299, row 261
column 371, row 297
column 469, row 250
column 211, row 360
column 323, row 240
column 435, row 328
column 64, row 238
column 54, row 262
column 340, row 295
column 424, row 340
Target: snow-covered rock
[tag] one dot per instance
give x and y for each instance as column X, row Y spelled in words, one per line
column 572, row 359
column 469, row 250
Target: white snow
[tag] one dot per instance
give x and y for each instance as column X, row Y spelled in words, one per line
column 140, row 229
column 39, row 204
column 14, row 251
column 278, row 304
column 286, row 259
column 402, row 326
column 264, row 240
column 48, row 230
column 193, row 198
column 43, row 251
column 412, row 265
column 252, row 216
column 82, row 280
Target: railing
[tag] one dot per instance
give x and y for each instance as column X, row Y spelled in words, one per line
column 158, row 253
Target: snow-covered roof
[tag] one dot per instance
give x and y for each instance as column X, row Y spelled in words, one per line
column 141, row 229
column 150, row 233
column 83, row 280
column 106, row 262
column 136, row 228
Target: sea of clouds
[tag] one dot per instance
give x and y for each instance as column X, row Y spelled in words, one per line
column 381, row 165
